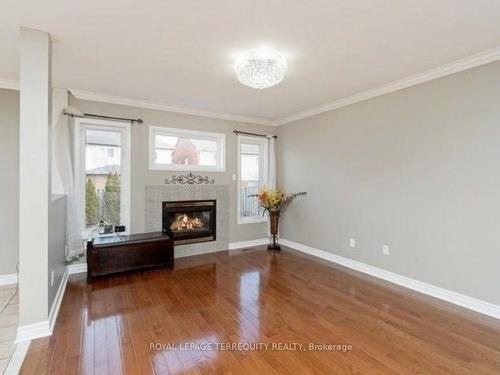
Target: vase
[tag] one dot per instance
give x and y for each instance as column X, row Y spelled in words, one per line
column 274, row 218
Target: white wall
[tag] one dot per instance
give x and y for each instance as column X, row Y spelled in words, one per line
column 417, row 169
column 141, row 176
column 59, row 103
column 56, row 263
column 9, row 181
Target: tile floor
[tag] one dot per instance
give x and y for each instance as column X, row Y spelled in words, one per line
column 9, row 312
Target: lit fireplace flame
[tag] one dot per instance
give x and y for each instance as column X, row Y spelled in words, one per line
column 184, row 222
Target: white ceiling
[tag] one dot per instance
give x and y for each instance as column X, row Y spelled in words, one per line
column 180, row 53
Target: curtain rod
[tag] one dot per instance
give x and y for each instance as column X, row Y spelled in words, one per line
column 255, row 134
column 132, row 120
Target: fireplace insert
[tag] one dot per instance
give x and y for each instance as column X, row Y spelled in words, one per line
column 190, row 221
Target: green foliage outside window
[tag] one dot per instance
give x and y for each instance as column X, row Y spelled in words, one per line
column 111, row 209
column 92, row 204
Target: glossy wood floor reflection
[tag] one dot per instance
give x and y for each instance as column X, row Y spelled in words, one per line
column 255, row 296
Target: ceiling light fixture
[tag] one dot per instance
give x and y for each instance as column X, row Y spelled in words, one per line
column 261, row 68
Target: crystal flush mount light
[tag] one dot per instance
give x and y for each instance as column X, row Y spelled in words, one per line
column 261, row 68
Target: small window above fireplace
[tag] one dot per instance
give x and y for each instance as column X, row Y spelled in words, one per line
column 186, row 150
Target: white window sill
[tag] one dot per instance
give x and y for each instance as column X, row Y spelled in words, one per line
column 184, row 168
column 87, row 236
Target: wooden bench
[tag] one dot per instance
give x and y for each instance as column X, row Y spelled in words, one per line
column 121, row 253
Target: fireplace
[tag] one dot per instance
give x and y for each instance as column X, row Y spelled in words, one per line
column 190, row 221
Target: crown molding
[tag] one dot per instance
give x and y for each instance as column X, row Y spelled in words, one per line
column 104, row 98
column 10, row 84
column 13, row 84
column 469, row 62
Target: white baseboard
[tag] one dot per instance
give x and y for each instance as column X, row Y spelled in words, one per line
column 8, row 279
column 251, row 243
column 230, row 246
column 470, row 303
column 33, row 331
column 17, row 359
column 186, row 252
column 56, row 304
column 76, row 268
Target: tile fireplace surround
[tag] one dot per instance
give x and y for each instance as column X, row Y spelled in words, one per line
column 156, row 194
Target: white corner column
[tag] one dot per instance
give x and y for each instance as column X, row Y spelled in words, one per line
column 34, row 182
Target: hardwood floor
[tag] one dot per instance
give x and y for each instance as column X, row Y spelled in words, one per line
column 254, row 296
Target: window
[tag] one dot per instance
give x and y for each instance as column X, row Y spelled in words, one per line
column 252, row 174
column 102, row 170
column 186, row 150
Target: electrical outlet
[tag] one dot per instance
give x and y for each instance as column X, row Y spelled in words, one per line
column 385, row 249
column 52, row 278
column 352, row 242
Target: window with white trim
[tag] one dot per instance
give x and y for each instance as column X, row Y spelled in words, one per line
column 186, row 150
column 102, row 172
column 252, row 175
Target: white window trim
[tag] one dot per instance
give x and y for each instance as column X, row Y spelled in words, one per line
column 254, row 219
column 79, row 163
column 220, row 138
